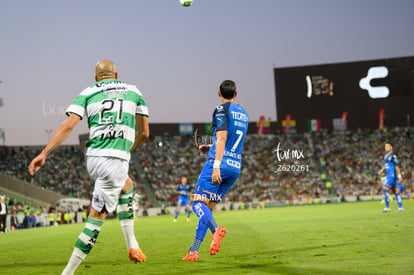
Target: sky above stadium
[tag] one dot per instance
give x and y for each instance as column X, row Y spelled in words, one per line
column 178, row 56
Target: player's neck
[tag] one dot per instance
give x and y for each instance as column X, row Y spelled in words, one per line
column 225, row 100
column 106, row 78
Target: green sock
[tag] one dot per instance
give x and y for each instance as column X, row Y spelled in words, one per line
column 126, row 218
column 88, row 236
column 124, row 209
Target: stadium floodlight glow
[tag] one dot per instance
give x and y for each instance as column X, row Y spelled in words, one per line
column 375, row 73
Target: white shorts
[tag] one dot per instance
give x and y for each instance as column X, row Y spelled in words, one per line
column 110, row 175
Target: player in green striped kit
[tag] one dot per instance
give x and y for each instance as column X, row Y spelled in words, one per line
column 118, row 123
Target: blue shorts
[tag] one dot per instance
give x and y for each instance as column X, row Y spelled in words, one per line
column 207, row 189
column 400, row 187
column 183, row 201
column 390, row 183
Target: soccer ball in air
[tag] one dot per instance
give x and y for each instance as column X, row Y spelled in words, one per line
column 186, row 3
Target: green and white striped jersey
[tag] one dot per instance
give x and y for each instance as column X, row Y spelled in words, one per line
column 110, row 106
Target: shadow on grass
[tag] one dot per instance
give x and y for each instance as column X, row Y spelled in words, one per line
column 263, row 262
column 263, row 268
column 276, row 253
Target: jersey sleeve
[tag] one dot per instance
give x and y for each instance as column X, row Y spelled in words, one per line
column 142, row 108
column 221, row 118
column 78, row 106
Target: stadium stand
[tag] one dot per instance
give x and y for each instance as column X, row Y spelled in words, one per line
column 348, row 161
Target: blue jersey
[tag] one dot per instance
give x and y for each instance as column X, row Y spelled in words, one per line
column 391, row 162
column 234, row 119
column 184, row 189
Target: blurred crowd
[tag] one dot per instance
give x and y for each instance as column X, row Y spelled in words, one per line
column 353, row 163
column 278, row 167
column 24, row 216
column 64, row 172
column 326, row 164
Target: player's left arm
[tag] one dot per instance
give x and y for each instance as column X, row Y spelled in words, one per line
column 381, row 172
column 142, row 131
column 220, row 145
column 397, row 168
column 58, row 137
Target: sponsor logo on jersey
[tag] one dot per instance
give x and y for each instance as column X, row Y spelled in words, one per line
column 233, row 163
column 239, row 116
column 240, row 124
column 232, row 155
column 103, row 84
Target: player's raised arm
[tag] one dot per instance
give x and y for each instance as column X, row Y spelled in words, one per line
column 58, row 137
column 142, row 131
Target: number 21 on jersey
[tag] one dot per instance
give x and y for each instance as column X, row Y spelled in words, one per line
column 114, row 107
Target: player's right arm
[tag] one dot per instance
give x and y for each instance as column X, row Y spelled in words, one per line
column 220, row 145
column 142, row 130
column 204, row 148
column 178, row 192
column 381, row 172
column 58, row 137
column 220, row 123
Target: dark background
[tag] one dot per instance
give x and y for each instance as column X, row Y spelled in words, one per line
column 291, row 94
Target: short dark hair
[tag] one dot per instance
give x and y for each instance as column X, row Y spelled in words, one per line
column 228, row 89
column 389, row 142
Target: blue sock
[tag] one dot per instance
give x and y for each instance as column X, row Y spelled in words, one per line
column 212, row 225
column 188, row 213
column 398, row 199
column 196, row 246
column 201, row 230
column 387, row 201
column 176, row 214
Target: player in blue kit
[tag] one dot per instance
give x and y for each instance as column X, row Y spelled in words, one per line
column 222, row 168
column 392, row 173
column 183, row 190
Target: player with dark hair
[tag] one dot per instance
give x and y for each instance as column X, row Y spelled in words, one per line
column 183, row 191
column 222, row 168
column 392, row 174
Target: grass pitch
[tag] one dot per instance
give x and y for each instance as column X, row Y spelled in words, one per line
column 347, row 238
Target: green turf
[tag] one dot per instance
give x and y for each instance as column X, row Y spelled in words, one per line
column 348, row 238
